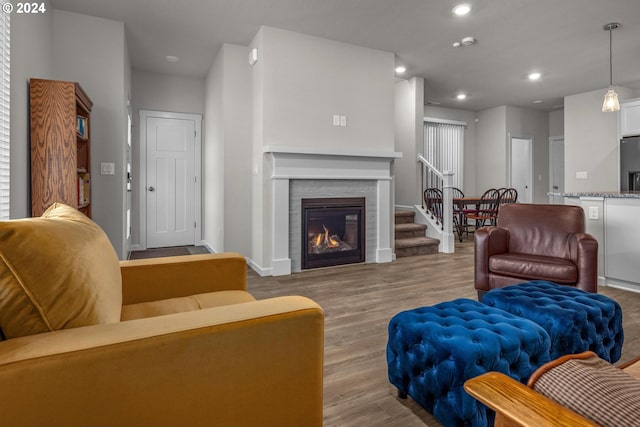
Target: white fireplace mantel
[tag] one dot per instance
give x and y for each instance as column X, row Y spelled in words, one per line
column 317, row 164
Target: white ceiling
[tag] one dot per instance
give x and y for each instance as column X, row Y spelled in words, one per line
column 562, row 39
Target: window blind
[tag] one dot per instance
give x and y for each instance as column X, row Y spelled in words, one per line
column 5, row 109
column 444, row 148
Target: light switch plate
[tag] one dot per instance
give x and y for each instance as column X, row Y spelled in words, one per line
column 581, row 175
column 107, row 168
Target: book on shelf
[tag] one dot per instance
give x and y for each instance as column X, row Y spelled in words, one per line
column 84, row 188
column 81, row 128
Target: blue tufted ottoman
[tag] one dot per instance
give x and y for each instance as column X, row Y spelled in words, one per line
column 576, row 320
column 432, row 351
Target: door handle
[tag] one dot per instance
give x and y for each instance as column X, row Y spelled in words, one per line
column 555, row 187
column 151, row 189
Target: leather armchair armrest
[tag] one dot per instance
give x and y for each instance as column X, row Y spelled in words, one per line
column 154, row 279
column 488, row 241
column 585, row 257
column 518, row 405
column 257, row 363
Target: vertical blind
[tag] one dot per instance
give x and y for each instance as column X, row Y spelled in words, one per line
column 5, row 90
column 444, row 148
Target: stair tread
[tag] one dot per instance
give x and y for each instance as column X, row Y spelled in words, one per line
column 416, row 241
column 410, row 226
column 405, row 213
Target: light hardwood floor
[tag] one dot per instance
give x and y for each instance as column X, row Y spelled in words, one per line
column 359, row 301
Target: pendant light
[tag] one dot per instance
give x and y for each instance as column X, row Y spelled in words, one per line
column 611, row 97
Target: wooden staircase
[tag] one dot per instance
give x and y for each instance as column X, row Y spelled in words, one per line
column 410, row 239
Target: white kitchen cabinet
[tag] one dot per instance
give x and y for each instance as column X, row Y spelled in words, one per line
column 630, row 117
column 621, row 235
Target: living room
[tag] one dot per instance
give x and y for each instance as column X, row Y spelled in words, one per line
column 280, row 108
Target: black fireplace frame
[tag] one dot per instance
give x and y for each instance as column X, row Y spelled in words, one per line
column 347, row 206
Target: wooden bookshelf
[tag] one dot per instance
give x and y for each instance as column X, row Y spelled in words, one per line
column 60, row 147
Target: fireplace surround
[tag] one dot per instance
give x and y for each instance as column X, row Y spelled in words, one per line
column 298, row 173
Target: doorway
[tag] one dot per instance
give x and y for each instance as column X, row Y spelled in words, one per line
column 522, row 167
column 556, row 169
column 170, row 190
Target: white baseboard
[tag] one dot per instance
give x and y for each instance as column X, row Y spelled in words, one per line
column 260, row 270
column 208, row 246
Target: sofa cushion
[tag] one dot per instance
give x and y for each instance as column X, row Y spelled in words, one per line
column 182, row 304
column 534, row 267
column 57, row 271
column 591, row 387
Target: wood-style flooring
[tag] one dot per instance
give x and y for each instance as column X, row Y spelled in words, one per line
column 359, row 300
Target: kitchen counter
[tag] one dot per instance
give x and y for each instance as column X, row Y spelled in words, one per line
column 612, row 218
column 605, row 194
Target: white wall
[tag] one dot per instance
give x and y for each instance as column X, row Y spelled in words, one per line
column 530, row 123
column 298, row 84
column 213, row 157
column 491, row 149
column 237, row 149
column 309, row 79
column 91, row 51
column 227, row 176
column 556, row 123
column 591, row 142
column 435, row 112
column 31, row 56
column 409, row 133
column 159, row 92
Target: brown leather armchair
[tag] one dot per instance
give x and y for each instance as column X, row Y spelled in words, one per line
column 536, row 242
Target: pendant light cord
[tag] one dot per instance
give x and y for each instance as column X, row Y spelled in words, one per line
column 610, row 56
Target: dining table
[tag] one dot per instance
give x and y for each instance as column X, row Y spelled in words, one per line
column 462, row 206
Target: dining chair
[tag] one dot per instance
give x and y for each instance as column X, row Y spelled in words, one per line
column 459, row 220
column 508, row 195
column 486, row 210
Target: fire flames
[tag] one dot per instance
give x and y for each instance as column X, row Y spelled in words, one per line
column 325, row 240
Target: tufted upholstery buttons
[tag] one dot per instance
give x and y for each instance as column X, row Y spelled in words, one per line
column 459, row 340
column 575, row 320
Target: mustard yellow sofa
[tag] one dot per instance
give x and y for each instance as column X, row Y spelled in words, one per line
column 92, row 341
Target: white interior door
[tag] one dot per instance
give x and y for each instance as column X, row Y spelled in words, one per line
column 556, row 169
column 521, row 168
column 170, row 181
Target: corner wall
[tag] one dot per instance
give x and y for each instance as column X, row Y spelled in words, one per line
column 409, row 135
column 91, row 51
column 227, row 153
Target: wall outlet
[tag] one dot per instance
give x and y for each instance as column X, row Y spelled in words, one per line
column 593, row 212
column 581, row 175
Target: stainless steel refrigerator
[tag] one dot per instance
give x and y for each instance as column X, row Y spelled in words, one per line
column 630, row 164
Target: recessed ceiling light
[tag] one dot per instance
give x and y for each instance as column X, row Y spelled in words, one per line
column 172, row 58
column 535, row 76
column 401, row 69
column 461, row 96
column 462, row 9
